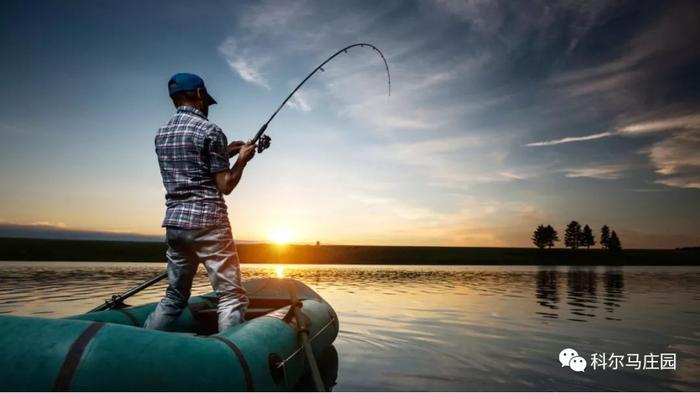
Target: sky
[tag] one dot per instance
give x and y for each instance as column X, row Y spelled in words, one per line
column 502, row 116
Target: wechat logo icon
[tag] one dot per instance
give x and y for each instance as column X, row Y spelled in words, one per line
column 569, row 358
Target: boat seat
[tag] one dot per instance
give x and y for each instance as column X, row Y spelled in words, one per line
column 251, row 313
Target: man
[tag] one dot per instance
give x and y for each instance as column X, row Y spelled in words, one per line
column 193, row 155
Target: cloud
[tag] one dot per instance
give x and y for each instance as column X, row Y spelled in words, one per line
column 457, row 161
column 59, row 230
column 675, row 123
column 678, row 159
column 49, row 224
column 273, row 16
column 572, row 139
column 299, row 102
column 248, row 68
column 363, row 97
column 647, row 190
column 686, row 122
column 417, row 101
column 433, row 146
column 605, row 172
column 509, row 24
column 396, row 220
column 645, row 66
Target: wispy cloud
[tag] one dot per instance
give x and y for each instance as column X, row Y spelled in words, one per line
column 394, row 218
column 434, row 146
column 247, row 67
column 644, row 60
column 647, row 190
column 272, row 17
column 56, row 224
column 678, row 159
column 572, row 139
column 299, row 102
column 676, row 123
column 405, row 109
column 457, row 161
column 605, row 172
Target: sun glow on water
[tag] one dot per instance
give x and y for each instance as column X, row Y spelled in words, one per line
column 279, row 271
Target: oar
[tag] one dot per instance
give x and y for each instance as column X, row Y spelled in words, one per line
column 304, row 337
column 117, row 300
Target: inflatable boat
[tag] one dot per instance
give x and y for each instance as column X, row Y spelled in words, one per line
column 111, row 351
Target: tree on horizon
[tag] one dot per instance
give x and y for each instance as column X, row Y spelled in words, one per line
column 605, row 237
column 587, row 238
column 614, row 243
column 572, row 235
column 552, row 236
column 539, row 237
column 544, row 236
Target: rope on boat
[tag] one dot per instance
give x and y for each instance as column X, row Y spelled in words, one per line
column 304, row 337
column 301, row 348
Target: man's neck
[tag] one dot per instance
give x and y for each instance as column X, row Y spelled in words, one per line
column 204, row 110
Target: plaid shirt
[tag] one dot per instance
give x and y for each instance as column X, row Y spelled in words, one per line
column 191, row 150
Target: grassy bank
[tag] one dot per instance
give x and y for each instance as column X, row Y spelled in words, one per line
column 116, row 251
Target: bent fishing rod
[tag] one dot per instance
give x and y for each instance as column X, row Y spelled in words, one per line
column 263, row 142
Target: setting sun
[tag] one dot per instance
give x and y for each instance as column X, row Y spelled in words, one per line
column 280, row 235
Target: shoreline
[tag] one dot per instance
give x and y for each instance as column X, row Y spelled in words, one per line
column 48, row 250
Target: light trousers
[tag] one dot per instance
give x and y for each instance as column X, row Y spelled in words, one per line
column 216, row 250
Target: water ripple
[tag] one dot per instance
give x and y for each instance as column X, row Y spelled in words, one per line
column 443, row 327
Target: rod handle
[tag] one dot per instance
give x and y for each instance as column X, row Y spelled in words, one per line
column 260, row 132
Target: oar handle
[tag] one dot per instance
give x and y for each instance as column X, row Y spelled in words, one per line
column 304, row 337
column 117, row 300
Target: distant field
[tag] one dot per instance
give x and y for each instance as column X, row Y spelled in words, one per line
column 118, row 251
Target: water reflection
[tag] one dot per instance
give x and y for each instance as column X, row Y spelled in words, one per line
column 328, row 367
column 548, row 292
column 442, row 328
column 581, row 292
column 614, row 291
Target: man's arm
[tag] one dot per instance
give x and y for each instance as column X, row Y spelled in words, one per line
column 234, row 147
column 227, row 180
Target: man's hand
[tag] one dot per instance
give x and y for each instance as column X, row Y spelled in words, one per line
column 246, row 152
column 226, row 181
column 234, row 147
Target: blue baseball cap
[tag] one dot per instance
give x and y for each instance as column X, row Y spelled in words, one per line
column 187, row 82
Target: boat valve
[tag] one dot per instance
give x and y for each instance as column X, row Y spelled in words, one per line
column 277, row 369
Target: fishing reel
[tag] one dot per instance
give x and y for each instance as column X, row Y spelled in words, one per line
column 263, row 143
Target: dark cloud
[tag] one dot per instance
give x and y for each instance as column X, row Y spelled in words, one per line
column 58, row 231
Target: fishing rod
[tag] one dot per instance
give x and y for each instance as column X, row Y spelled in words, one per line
column 264, row 140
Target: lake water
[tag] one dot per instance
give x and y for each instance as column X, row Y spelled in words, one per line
column 445, row 327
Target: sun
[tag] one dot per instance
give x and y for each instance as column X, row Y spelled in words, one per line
column 280, row 235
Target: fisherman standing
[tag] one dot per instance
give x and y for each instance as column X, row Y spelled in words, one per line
column 193, row 155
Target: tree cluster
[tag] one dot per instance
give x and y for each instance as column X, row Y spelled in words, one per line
column 576, row 237
column 609, row 241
